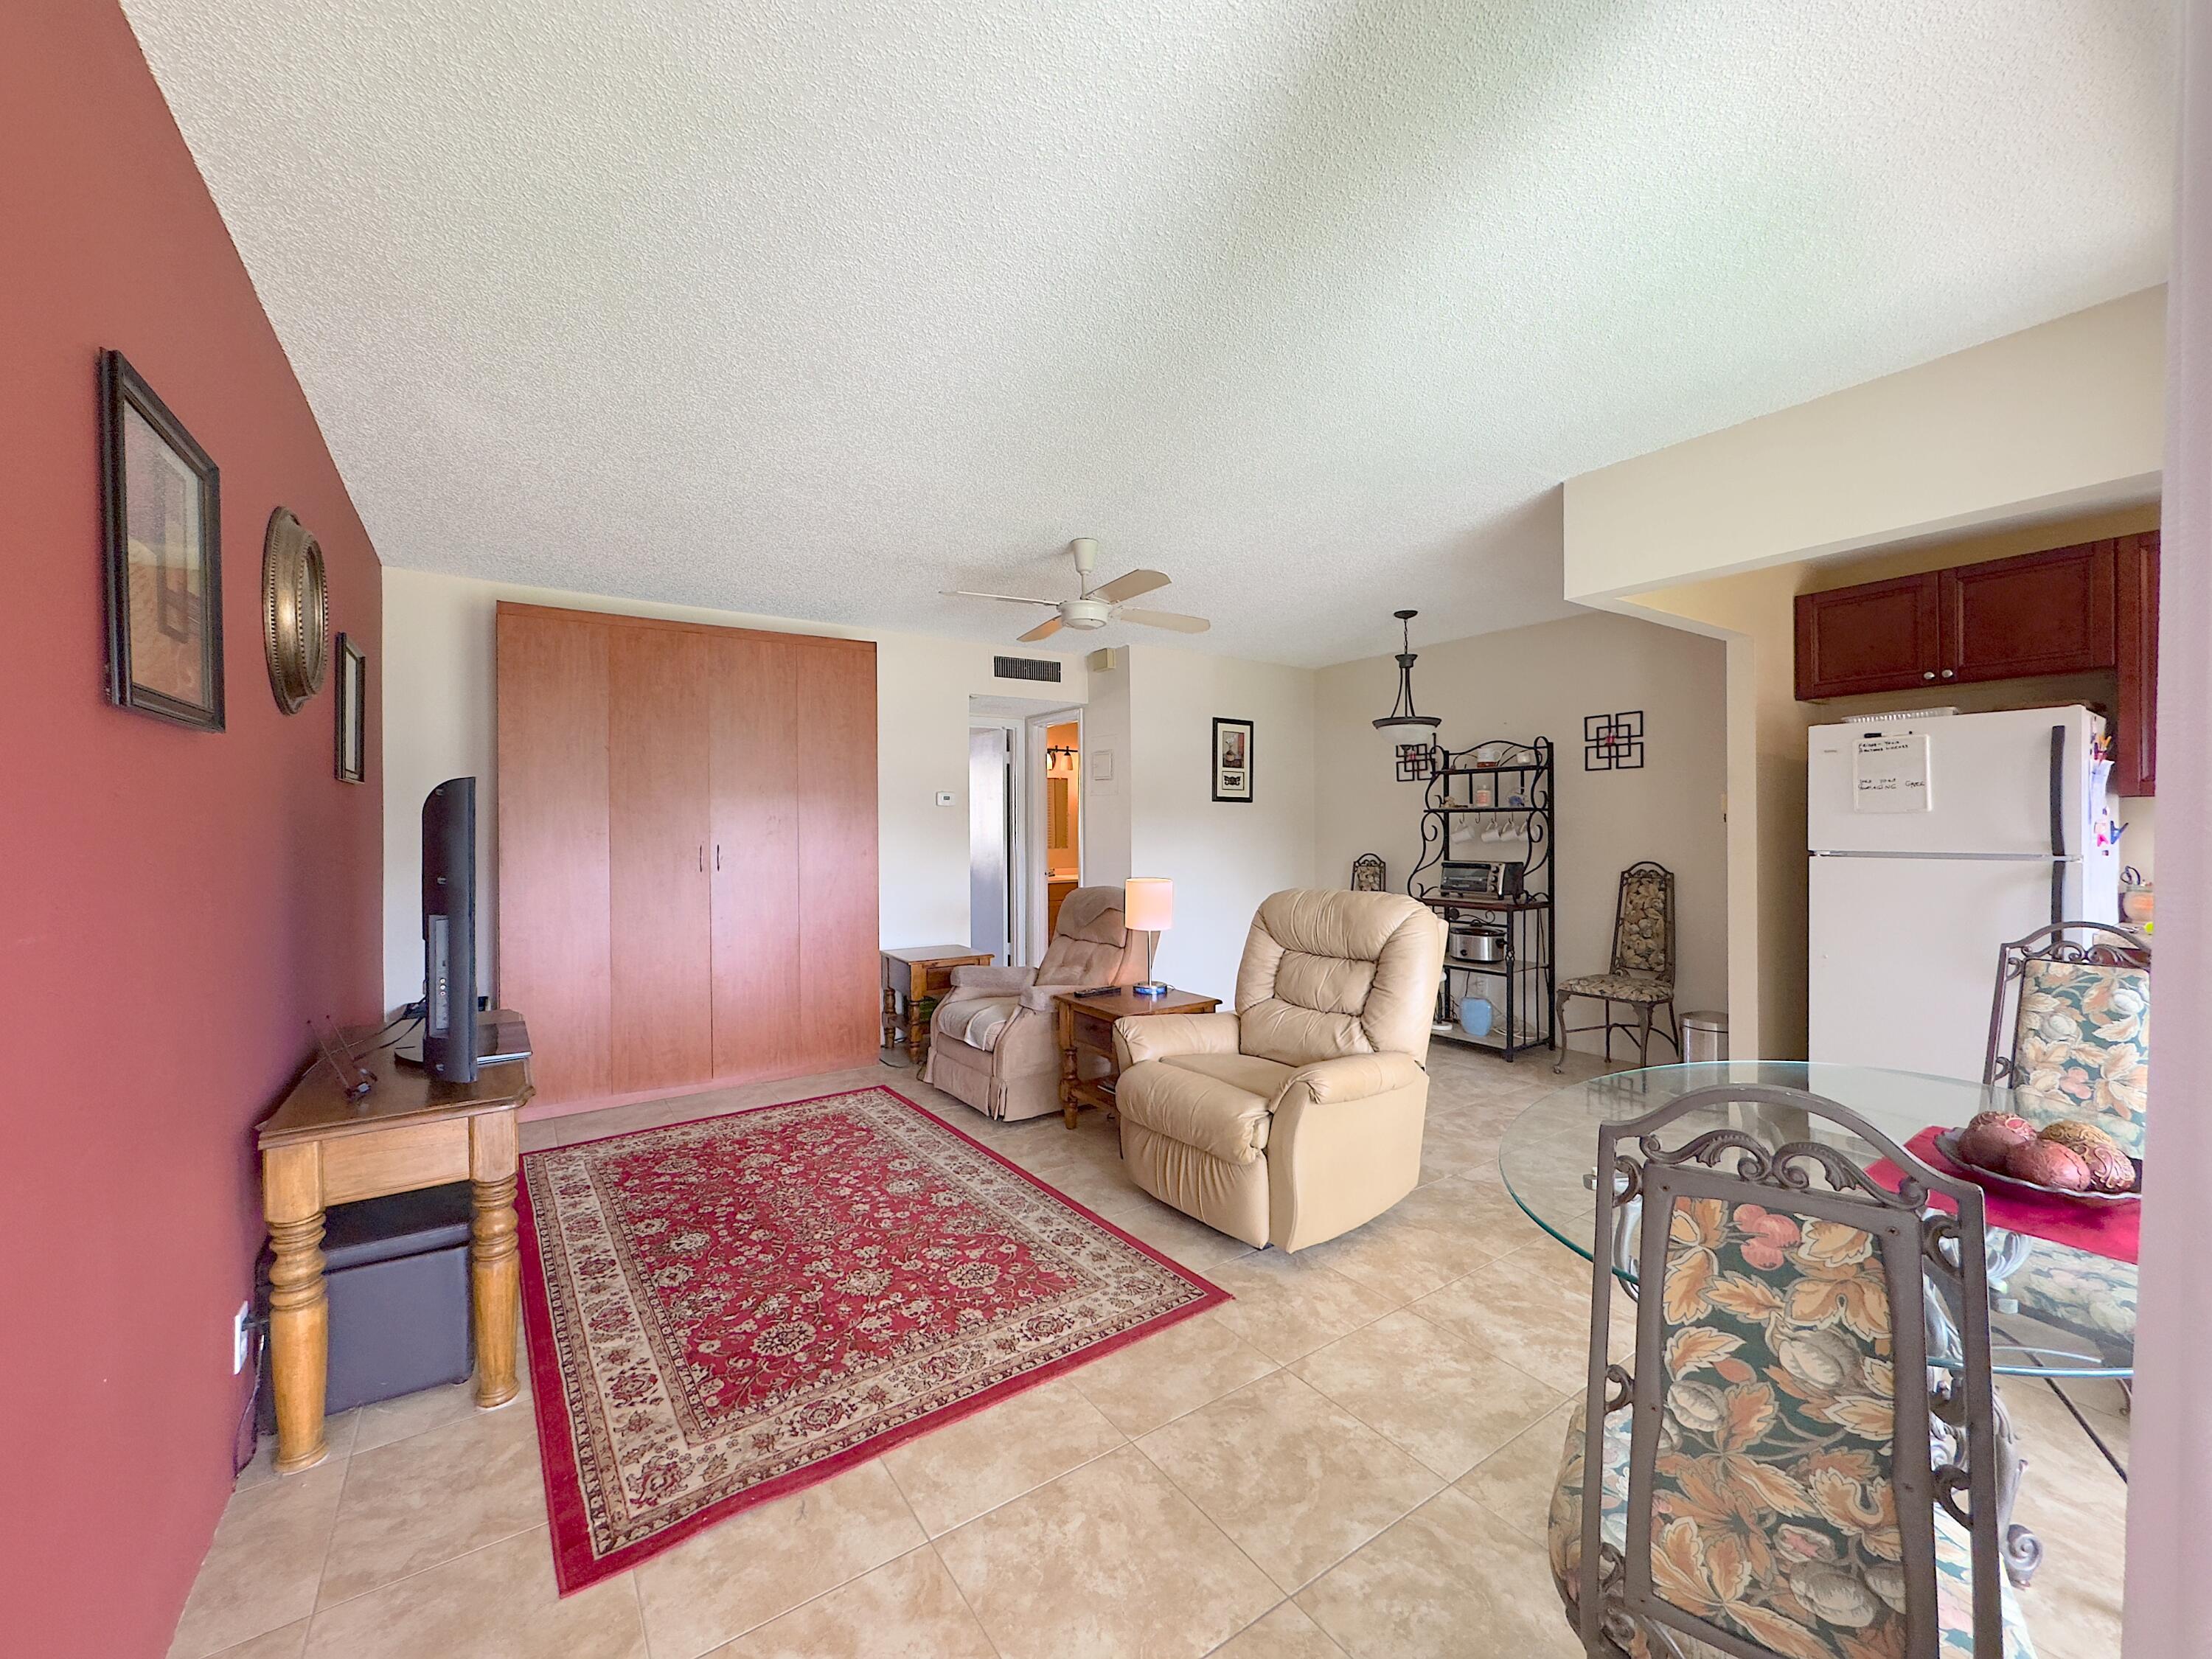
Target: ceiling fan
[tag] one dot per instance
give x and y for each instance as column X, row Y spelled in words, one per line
column 1094, row 607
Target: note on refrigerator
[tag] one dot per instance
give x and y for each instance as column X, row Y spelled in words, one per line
column 1889, row 773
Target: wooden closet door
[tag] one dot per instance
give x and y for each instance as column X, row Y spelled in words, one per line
column 661, row 977
column 838, row 961
column 754, row 702
column 552, row 873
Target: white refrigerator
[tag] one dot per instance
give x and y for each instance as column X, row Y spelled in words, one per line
column 1933, row 839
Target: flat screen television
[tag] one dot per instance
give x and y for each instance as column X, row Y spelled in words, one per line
column 449, row 931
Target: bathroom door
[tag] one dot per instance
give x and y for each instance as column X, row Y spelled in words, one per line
column 990, row 841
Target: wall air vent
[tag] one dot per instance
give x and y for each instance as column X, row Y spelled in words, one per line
column 1025, row 668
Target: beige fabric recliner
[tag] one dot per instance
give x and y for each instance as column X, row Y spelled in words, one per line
column 992, row 1041
column 1298, row 1116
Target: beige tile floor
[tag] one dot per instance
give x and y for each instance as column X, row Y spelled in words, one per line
column 1353, row 1458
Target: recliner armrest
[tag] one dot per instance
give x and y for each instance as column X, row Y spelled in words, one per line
column 1354, row 1077
column 979, row 980
column 1155, row 1036
column 1038, row 998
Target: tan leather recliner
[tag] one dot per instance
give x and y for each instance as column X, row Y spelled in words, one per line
column 1298, row 1116
column 992, row 1041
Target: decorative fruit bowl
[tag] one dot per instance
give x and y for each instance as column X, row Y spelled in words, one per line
column 2076, row 1161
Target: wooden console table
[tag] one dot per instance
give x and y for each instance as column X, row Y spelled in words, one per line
column 913, row 973
column 1086, row 1027
column 319, row 1148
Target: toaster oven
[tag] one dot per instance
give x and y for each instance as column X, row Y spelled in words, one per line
column 1481, row 877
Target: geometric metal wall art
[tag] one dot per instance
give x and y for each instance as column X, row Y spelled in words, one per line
column 1416, row 762
column 1613, row 743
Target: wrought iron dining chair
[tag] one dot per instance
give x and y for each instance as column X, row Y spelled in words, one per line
column 2070, row 1025
column 1642, row 976
column 2069, row 1034
column 1781, row 1471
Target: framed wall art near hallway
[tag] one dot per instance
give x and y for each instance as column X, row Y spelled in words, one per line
column 162, row 541
column 1232, row 759
column 352, row 747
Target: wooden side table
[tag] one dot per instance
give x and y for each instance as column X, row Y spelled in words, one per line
column 914, row 975
column 320, row 1148
column 1086, row 1027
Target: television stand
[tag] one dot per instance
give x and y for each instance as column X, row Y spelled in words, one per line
column 321, row 1147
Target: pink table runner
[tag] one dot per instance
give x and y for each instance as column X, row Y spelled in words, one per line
column 2105, row 1229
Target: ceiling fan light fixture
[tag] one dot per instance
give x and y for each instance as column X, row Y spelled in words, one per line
column 1401, row 712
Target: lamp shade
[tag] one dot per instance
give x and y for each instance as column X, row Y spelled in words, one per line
column 1147, row 904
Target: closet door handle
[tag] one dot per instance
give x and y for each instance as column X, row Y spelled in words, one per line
column 703, row 857
column 718, row 855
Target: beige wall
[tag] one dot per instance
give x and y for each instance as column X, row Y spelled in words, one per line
column 2061, row 419
column 1106, row 763
column 1540, row 682
column 1224, row 857
column 1754, row 613
column 438, row 676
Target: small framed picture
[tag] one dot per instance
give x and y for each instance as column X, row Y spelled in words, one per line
column 161, row 535
column 1232, row 759
column 353, row 719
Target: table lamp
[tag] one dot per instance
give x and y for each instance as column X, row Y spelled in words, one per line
column 1148, row 907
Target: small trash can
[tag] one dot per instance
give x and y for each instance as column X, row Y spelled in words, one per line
column 1704, row 1037
column 397, row 1272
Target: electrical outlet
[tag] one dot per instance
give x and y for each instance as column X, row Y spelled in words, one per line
column 239, row 1322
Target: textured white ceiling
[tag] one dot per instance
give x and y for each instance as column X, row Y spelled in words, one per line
column 812, row 308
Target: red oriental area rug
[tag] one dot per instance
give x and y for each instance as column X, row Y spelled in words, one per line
column 725, row 1311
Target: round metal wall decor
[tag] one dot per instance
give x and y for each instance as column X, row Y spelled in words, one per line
column 295, row 612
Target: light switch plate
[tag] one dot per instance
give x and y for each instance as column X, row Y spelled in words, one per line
column 945, row 798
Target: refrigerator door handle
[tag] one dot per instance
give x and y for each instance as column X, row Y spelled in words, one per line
column 2059, row 858
column 1994, row 857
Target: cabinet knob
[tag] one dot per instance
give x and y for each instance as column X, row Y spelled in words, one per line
column 1946, row 673
column 1930, row 675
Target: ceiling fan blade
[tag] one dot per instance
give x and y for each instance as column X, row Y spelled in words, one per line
column 1128, row 586
column 1181, row 623
column 1009, row 598
column 1043, row 630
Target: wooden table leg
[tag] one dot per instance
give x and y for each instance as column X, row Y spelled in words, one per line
column 494, row 1257
column 1066, row 1024
column 917, row 1024
column 299, row 1309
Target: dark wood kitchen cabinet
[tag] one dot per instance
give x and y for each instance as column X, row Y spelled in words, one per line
column 2135, row 736
column 2041, row 613
column 1877, row 636
column 2085, row 608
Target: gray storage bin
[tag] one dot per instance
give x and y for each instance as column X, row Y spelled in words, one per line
column 397, row 1272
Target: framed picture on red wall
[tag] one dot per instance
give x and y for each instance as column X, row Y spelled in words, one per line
column 162, row 529
column 352, row 751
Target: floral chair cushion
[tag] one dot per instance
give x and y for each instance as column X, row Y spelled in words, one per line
column 1620, row 988
column 2090, row 1295
column 2081, row 1043
column 1639, row 940
column 1773, row 1500
column 1564, row 1535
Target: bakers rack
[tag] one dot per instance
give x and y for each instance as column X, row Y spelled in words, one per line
column 1488, row 866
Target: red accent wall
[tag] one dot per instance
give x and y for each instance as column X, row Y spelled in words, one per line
column 174, row 905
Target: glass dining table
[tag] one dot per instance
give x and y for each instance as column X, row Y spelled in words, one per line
column 2054, row 1311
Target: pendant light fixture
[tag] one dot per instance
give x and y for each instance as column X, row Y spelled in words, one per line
column 1402, row 712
